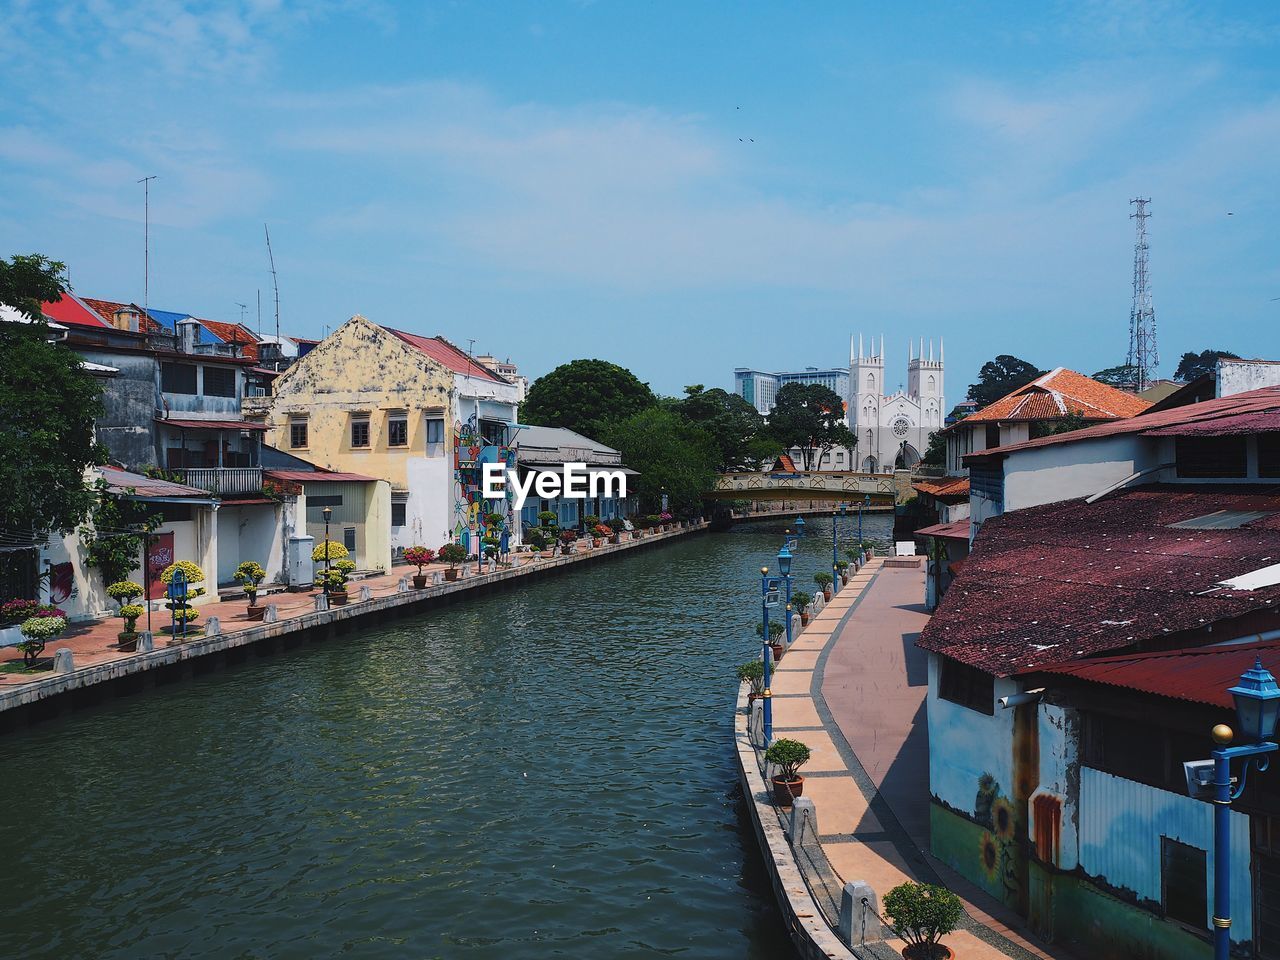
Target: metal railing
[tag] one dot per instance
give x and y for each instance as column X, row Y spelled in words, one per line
column 223, row 480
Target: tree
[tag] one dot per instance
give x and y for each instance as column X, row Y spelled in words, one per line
column 584, row 395
column 47, row 408
column 670, row 453
column 936, row 455
column 1193, row 366
column 1000, row 376
column 1122, row 377
column 1074, row 420
column 809, row 417
column 736, row 426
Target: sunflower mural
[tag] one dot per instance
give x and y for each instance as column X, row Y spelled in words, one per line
column 997, row 845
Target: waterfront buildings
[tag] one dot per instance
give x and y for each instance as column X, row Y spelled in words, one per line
column 1120, row 576
column 550, row 448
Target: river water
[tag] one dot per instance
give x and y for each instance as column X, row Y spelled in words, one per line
column 542, row 772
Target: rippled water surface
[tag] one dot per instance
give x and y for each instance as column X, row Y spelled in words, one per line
column 543, row 772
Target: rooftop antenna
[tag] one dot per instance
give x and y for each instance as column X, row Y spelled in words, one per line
column 274, row 281
column 243, row 307
column 259, row 313
column 1143, row 357
column 146, row 240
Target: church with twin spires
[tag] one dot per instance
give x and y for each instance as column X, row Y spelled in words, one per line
column 893, row 428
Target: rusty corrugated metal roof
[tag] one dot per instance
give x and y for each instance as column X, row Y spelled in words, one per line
column 318, row 476
column 124, row 483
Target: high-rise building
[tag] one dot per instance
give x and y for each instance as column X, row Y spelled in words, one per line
column 760, row 388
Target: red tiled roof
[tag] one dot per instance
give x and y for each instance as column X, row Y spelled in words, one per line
column 106, row 309
column 71, row 311
column 318, row 476
column 944, row 488
column 1262, row 400
column 1059, row 393
column 444, row 352
column 1198, row 674
column 235, row 333
column 1266, row 422
column 956, row 530
column 785, row 464
column 1067, row 580
column 212, row 424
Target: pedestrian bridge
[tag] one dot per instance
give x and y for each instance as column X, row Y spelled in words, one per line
column 884, row 489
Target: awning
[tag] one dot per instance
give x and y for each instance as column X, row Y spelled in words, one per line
column 212, row 424
column 136, row 486
column 318, row 476
column 956, row 530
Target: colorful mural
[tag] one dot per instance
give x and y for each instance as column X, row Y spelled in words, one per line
column 473, row 516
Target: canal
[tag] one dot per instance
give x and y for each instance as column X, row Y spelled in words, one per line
column 541, row 772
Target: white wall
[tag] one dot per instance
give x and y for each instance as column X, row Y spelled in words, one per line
column 1239, row 376
column 428, row 509
column 250, row 532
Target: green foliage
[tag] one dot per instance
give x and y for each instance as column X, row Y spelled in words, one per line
column 752, row 672
column 339, row 572
column 547, row 518
column 936, row 454
column 800, row 600
column 452, row 554
column 1122, row 377
column 37, row 632
column 536, row 537
column 922, row 913
column 124, row 592
column 736, row 427
column 1195, row 365
column 823, row 579
column 810, row 417
column 616, row 524
column 584, row 396
column 250, row 574
column 192, row 572
column 113, row 553
column 48, row 404
column 670, row 453
column 130, row 612
column 842, row 565
column 775, row 630
column 1000, row 376
column 1074, row 420
column 788, row 755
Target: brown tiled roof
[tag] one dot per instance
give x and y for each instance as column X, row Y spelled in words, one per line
column 1059, row 393
column 235, row 333
column 107, row 310
column 1059, row 582
column 1223, row 409
column 956, row 530
column 944, row 488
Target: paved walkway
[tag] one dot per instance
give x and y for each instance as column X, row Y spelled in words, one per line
column 853, row 688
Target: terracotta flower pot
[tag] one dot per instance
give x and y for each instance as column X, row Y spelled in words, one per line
column 255, row 612
column 826, row 594
column 784, row 792
column 778, row 650
column 844, row 579
column 451, row 574
column 927, row 951
column 596, row 542
column 419, row 581
column 127, row 641
column 337, row 598
column 804, row 618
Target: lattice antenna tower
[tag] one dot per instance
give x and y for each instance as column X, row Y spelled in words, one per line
column 1144, row 355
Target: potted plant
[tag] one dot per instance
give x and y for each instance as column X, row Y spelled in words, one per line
column 36, row 633
column 776, row 631
column 548, row 519
column 250, row 574
column 590, row 521
column 752, row 672
column 824, row 580
column 800, row 601
column 491, row 542
column 419, row 557
column 329, row 578
column 922, row 914
column 124, row 591
column 452, row 554
column 867, row 550
column 665, row 519
column 616, row 525
column 599, row 533
column 566, row 541
column 843, row 567
column 788, row 756
column 184, row 614
column 127, row 640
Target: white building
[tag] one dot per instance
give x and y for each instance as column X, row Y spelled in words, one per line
column 894, row 428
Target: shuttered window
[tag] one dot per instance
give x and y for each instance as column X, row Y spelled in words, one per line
column 1212, row 457
column 967, row 686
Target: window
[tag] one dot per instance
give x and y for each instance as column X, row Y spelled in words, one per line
column 1144, row 752
column 493, row 432
column 1212, row 457
column 397, row 430
column 967, row 686
column 324, row 501
column 993, row 435
column 398, row 513
column 298, row 432
column 349, row 538
column 360, row 430
column 178, row 378
column 1269, row 454
column 435, row 436
column 219, row 382
column 1184, row 886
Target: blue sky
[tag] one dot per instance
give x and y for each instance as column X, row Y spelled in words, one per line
column 680, row 188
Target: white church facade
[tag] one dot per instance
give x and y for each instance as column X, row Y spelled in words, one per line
column 893, row 428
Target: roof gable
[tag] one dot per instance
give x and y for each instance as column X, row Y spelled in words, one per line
column 1060, row 393
column 445, row 353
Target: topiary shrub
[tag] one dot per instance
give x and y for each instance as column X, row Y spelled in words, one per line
column 921, row 914
column 752, row 672
column 452, row 554
column 823, row 579
column 788, row 756
column 775, row 630
column 37, row 632
column 124, row 591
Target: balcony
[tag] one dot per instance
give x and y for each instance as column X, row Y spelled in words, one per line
column 223, row 481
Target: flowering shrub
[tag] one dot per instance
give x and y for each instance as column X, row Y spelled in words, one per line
column 124, row 591
column 600, row 530
column 131, row 612
column 568, row 536
column 665, row 517
column 15, row 611
column 419, row 556
column 250, row 573
column 336, row 551
column 452, row 554
column 36, row 632
column 193, row 573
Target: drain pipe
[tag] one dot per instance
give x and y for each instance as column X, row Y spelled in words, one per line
column 1018, row 699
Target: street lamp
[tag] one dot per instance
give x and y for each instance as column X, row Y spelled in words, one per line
column 1257, row 699
column 767, row 694
column 784, row 568
column 328, row 514
column 799, row 526
column 835, row 544
column 866, row 501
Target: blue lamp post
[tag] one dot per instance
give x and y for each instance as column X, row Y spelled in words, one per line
column 1257, row 699
column 866, row 502
column 835, row 546
column 767, row 694
column 799, row 526
column 784, row 568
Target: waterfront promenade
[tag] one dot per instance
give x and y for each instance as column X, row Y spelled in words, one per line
column 97, row 661
column 852, row 687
